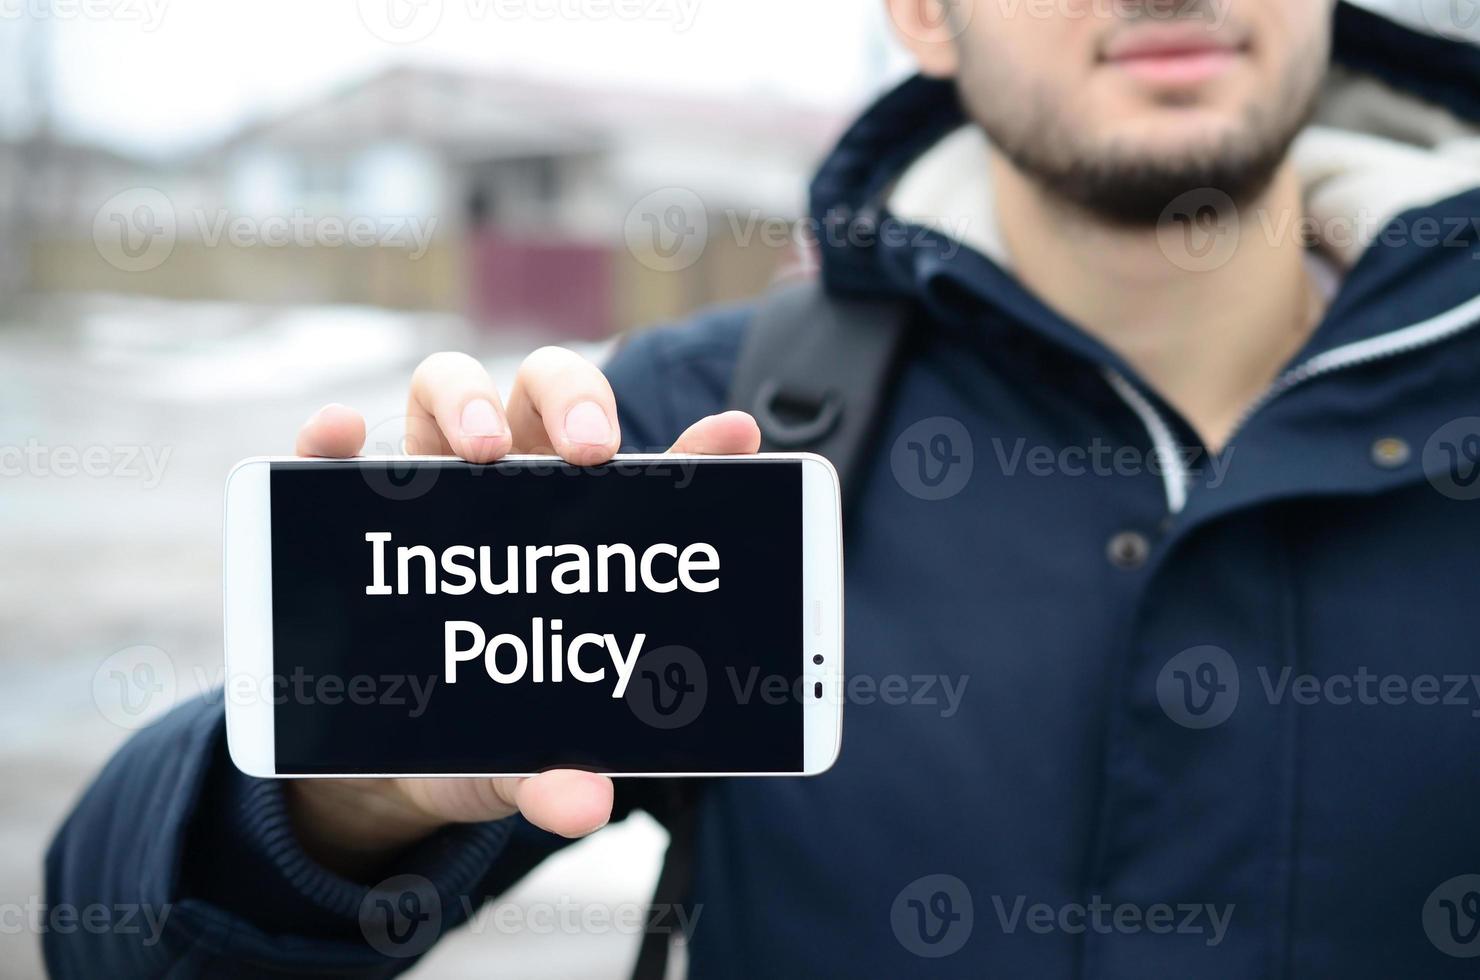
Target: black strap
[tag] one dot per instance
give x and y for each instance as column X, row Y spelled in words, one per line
column 674, row 881
column 813, row 370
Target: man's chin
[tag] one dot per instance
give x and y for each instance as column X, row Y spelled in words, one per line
column 1173, row 134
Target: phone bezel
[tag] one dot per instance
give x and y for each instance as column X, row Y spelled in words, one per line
column 247, row 597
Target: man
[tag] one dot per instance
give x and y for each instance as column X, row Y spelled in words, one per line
column 1197, row 562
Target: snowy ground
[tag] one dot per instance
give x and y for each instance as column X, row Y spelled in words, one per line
column 157, row 400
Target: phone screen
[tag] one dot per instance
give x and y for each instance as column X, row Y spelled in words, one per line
column 445, row 617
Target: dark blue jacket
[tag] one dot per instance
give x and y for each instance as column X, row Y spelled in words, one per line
column 1112, row 719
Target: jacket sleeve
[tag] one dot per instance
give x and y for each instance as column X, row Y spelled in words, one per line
column 200, row 873
column 192, row 868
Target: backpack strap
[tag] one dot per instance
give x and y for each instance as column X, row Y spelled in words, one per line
column 813, row 370
column 676, row 811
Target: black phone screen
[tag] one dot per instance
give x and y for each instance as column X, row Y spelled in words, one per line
column 444, row 617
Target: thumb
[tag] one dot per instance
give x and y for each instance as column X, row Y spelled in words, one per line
column 726, row 434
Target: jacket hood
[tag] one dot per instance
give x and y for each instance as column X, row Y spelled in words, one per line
column 1396, row 134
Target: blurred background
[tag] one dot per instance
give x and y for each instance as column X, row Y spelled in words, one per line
column 215, row 217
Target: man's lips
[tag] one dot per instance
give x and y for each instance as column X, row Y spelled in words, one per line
column 1172, row 55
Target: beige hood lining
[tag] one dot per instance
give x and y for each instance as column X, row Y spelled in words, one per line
column 1371, row 153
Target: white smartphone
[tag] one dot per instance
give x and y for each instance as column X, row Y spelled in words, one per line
column 654, row 616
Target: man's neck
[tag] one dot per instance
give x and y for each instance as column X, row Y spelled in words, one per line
column 1208, row 335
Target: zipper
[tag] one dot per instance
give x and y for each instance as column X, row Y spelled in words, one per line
column 1174, row 476
column 1404, row 340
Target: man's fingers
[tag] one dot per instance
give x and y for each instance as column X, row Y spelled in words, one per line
column 334, row 432
column 562, row 403
column 726, row 434
column 455, row 409
column 567, row 802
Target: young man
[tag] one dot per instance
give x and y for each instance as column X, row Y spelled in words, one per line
column 1196, row 565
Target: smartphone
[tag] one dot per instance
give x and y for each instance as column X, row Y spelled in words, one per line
column 659, row 615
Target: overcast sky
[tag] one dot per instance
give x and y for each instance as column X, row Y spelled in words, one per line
column 157, row 75
column 154, row 76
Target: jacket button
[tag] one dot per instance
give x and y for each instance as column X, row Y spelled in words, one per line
column 1390, row 452
column 1128, row 550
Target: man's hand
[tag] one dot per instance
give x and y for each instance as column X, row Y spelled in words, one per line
column 560, row 404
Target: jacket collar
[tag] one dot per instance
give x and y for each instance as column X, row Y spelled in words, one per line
column 1411, row 289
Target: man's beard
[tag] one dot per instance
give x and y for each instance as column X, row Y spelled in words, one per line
column 1132, row 187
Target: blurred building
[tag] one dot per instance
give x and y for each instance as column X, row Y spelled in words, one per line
column 527, row 204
